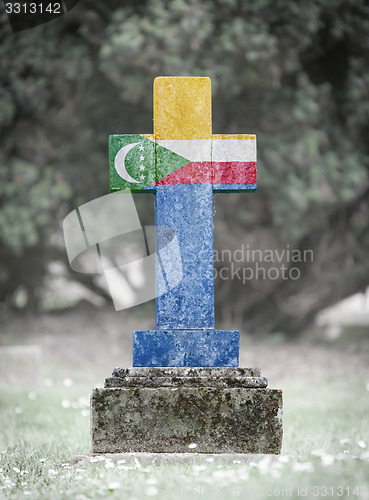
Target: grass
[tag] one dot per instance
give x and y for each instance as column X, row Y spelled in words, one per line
column 325, row 451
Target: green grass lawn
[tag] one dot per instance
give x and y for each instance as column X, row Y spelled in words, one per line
column 325, row 451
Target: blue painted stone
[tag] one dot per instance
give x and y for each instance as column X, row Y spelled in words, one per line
column 230, row 188
column 188, row 209
column 186, row 347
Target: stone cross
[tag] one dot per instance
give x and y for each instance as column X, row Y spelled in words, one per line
column 185, row 391
column 183, row 164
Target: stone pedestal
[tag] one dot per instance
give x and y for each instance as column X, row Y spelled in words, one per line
column 220, row 410
column 186, row 348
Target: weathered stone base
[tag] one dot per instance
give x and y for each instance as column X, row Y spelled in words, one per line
column 220, row 415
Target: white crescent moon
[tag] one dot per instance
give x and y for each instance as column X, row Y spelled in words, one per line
column 120, row 165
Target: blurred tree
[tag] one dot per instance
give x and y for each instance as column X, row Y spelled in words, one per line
column 296, row 74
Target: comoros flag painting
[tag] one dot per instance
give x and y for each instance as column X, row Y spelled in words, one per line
column 139, row 162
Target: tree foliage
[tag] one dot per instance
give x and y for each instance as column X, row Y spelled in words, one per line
column 295, row 73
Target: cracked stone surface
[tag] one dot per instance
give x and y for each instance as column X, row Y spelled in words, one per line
column 169, row 419
column 199, row 371
column 186, row 377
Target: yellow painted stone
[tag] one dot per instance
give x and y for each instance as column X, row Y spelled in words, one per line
column 182, row 107
column 151, row 137
column 234, row 136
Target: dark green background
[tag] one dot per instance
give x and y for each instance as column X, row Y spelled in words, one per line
column 294, row 73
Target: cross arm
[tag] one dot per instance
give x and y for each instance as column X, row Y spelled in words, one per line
column 139, row 162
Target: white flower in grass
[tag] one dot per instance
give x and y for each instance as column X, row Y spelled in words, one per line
column 152, row 480
column 124, row 467
column 8, row 483
column 243, row 474
column 327, row 460
column 275, row 473
column 361, row 444
column 199, row 467
column 109, row 465
column 152, row 491
column 303, row 467
column 228, row 474
column 15, row 469
column 123, row 461
column 94, row 481
column 94, row 459
column 42, row 460
column 85, row 413
column 192, row 446
column 318, row 453
column 18, row 410
column 344, row 440
column 114, row 485
column 65, row 403
column 52, row 472
column 264, row 464
column 219, row 474
column 67, row 382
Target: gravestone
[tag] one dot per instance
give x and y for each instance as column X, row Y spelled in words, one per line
column 185, row 391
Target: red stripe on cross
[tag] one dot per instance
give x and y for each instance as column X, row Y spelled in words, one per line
column 234, row 172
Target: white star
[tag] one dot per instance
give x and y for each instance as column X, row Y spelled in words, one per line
column 141, row 148
column 141, row 167
column 142, row 158
column 142, row 177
